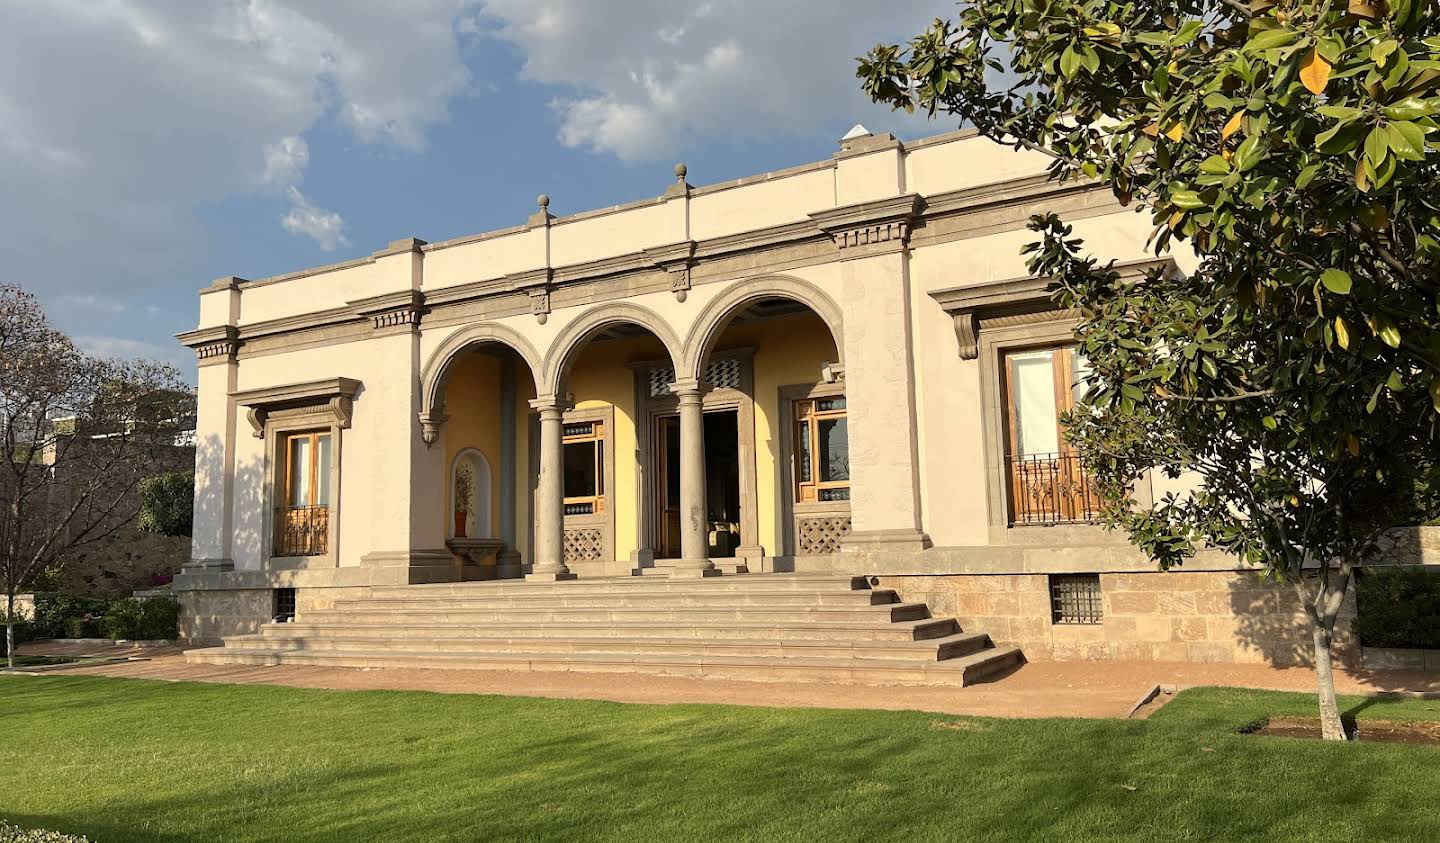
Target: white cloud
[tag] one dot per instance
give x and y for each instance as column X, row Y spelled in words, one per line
column 286, row 160
column 119, row 119
column 326, row 228
column 648, row 75
column 129, row 349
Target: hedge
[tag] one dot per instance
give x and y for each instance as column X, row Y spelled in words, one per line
column 1398, row 607
column 142, row 620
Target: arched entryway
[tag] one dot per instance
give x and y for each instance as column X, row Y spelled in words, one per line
column 475, row 393
column 782, row 339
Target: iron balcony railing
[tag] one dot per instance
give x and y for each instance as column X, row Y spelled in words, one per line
column 302, row 530
column 1050, row 489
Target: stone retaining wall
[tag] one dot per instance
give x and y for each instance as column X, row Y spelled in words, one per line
column 1217, row 616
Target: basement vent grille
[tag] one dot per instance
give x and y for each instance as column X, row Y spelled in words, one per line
column 284, row 605
column 1075, row 599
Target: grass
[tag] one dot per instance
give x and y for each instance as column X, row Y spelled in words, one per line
column 136, row 760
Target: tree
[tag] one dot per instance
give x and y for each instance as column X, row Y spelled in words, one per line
column 77, row 435
column 1292, row 145
column 167, row 504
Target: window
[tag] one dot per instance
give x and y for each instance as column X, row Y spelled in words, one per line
column 1075, row 599
column 822, row 450
column 303, row 519
column 1047, row 482
column 584, row 479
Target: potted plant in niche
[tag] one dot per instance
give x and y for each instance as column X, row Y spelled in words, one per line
column 464, row 492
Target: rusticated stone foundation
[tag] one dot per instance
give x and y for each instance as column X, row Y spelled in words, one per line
column 1217, row 616
column 207, row 616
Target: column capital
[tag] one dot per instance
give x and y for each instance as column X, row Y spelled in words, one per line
column 546, row 404
column 689, row 389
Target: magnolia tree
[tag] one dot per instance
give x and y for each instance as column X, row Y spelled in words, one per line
column 1292, row 146
column 77, row 436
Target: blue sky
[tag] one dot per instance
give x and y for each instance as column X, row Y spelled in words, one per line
column 149, row 146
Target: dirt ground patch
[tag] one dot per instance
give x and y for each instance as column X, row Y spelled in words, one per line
column 1378, row 731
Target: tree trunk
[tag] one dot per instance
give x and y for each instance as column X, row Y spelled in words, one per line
column 10, row 630
column 1331, row 729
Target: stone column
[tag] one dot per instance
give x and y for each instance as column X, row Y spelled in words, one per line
column 694, row 525
column 508, row 563
column 550, row 500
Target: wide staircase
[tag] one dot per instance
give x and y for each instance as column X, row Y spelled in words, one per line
column 755, row 627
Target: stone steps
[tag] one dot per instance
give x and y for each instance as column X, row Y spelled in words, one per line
column 710, row 585
column 960, row 671
column 787, row 630
column 754, row 627
column 552, row 614
column 934, row 649
column 623, row 599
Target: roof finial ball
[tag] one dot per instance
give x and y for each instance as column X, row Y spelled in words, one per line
column 543, row 200
column 680, row 171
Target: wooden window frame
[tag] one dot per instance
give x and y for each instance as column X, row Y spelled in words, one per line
column 596, row 436
column 807, row 416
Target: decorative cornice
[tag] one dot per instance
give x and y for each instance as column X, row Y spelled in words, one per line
column 870, row 222
column 1015, row 297
column 332, row 395
column 391, row 309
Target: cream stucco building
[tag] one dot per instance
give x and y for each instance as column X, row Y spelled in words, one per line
column 837, row 369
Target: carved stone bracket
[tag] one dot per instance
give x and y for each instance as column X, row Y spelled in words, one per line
column 430, row 423
column 333, row 397
column 871, row 223
column 832, row 372
column 536, row 284
column 677, row 259
column 392, row 309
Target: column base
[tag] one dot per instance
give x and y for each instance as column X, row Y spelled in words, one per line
column 694, row 569
column 552, row 576
column 207, row 566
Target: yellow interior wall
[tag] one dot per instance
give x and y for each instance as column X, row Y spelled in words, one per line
column 524, row 482
column 472, row 398
column 599, row 379
column 788, row 351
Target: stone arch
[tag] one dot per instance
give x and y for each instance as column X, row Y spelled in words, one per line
column 563, row 350
column 437, row 369
column 482, row 493
column 721, row 310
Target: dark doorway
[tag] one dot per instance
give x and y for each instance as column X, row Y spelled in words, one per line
column 722, row 475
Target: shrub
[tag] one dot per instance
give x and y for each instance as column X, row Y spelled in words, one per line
column 83, row 627
column 1398, row 607
column 167, row 503
column 15, row 834
column 53, row 611
column 24, row 630
column 143, row 620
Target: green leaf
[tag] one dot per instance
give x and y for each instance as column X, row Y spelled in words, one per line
column 1336, row 281
column 1187, row 199
column 1338, row 112
column 1269, row 39
column 1340, row 138
column 1215, row 165
column 1410, row 108
column 1377, row 146
column 1270, row 423
column 1386, row 330
column 1250, row 153
column 1406, row 140
column 1306, row 176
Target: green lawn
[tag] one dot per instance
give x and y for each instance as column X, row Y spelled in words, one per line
column 136, row 760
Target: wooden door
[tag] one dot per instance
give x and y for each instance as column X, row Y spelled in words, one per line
column 666, row 459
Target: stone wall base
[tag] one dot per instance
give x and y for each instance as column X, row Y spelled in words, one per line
column 1212, row 616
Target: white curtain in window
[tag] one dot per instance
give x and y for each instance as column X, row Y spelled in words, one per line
column 1033, row 379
